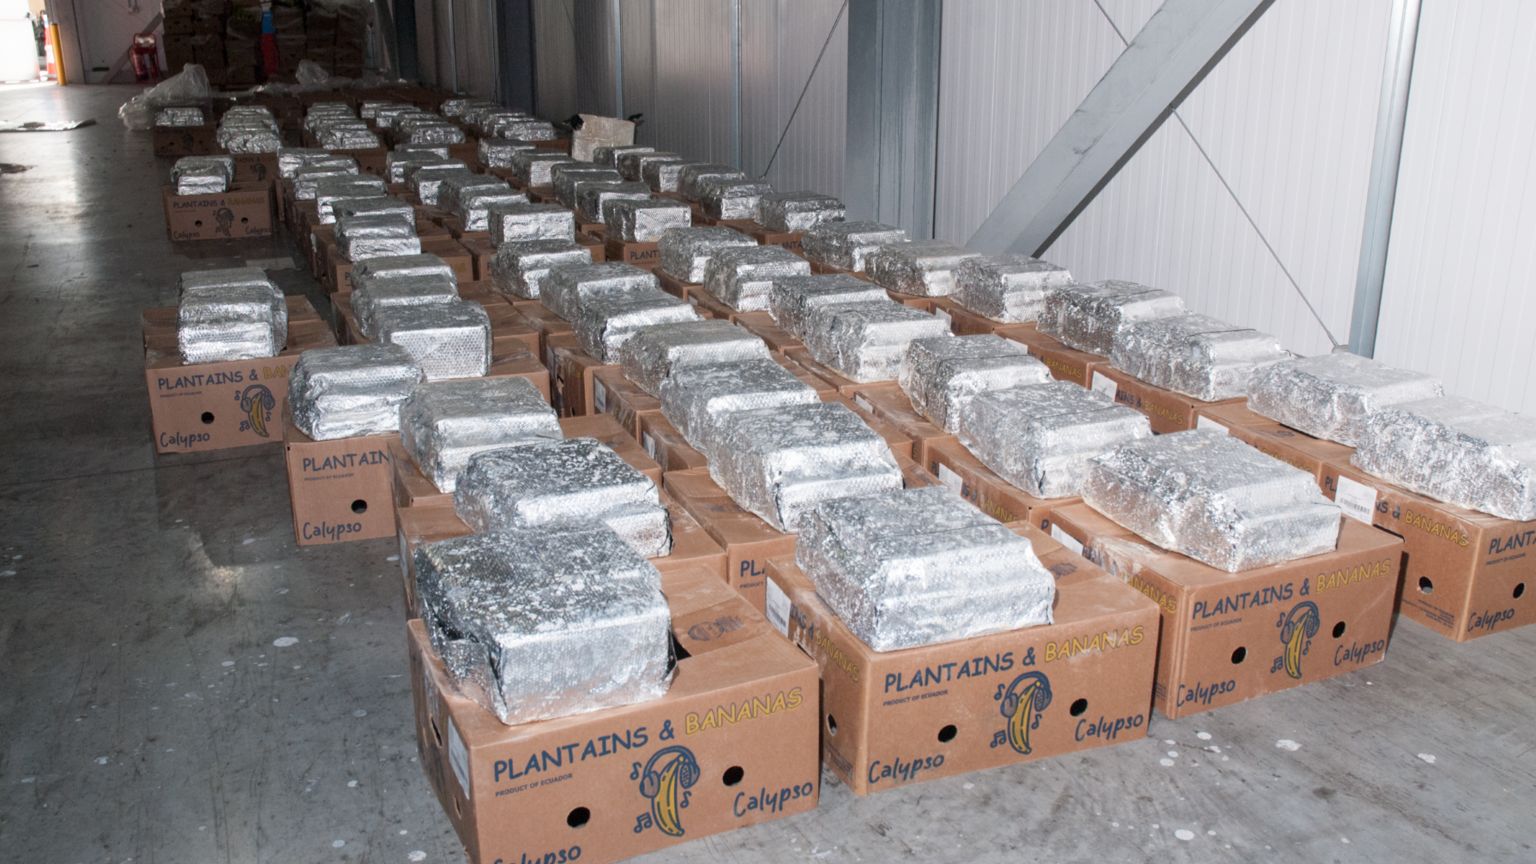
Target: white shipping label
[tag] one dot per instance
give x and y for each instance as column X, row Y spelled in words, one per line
column 1066, row 539
column 941, row 312
column 1357, row 500
column 1204, row 422
column 600, row 397
column 1103, row 384
column 648, row 443
column 777, row 608
column 458, row 757
column 949, row 478
column 862, row 401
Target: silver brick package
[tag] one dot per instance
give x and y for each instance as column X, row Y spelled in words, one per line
column 202, row 175
column 448, row 340
column 375, row 235
column 351, row 390
column 456, row 106
column 566, row 288
column 731, row 199
column 234, row 321
column 846, row 245
column 373, row 296
column 434, row 133
column 1010, row 289
column 1330, row 395
column 685, row 252
column 605, row 321
column 498, row 154
column 696, row 399
column 519, row 269
column 1087, row 317
column 443, row 423
column 593, row 198
column 741, row 277
column 474, row 207
column 644, row 221
column 333, row 189
column 1196, row 355
column 664, row 175
column 381, row 204
column 653, row 353
column 566, row 176
column 397, row 162
column 941, row 374
column 533, row 169
column 179, row 115
column 426, row 180
column 291, row 159
column 865, row 341
column 691, row 178
column 798, row 211
column 519, row 222
column 424, row 265
column 307, row 179
column 792, row 299
column 631, row 163
column 608, row 156
column 925, row 268
column 456, row 188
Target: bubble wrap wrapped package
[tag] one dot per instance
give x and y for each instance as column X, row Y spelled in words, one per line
column 448, row 340
column 1330, row 395
column 498, row 154
column 792, row 299
column 444, row 423
column 742, row 276
column 520, row 222
column 608, row 157
column 653, row 353
column 408, row 149
column 179, row 115
column 369, row 109
column 696, row 399
column 1087, row 317
column 203, row 175
column 375, row 235
column 457, row 190
column 865, row 341
column 426, row 180
column 519, row 269
column 475, row 205
column 921, row 566
column 376, row 206
column 525, row 129
column 925, row 268
column 248, row 138
column 456, row 106
column 348, row 138
column 605, row 321
column 570, row 482
column 291, row 159
column 1456, row 450
column 308, row 179
column 534, row 169
column 594, row 197
column 631, row 163
column 634, row 220
column 235, row 321
column 1039, row 437
column 1010, row 289
column 564, row 290
column 685, row 252
column 422, row 266
column 692, row 178
column 351, row 390
column 1211, row 497
column 328, row 190
column 372, row 296
column 779, row 462
column 535, row 626
column 798, row 211
column 434, row 133
column 732, row 199
column 566, row 178
column 940, row 375
column 396, row 164
column 193, row 281
column 1196, row 355
column 846, row 245
column 664, row 175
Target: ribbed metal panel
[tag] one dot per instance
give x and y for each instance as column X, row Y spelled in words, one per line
column 474, row 38
column 639, row 37
column 693, row 106
column 780, row 43
column 554, row 57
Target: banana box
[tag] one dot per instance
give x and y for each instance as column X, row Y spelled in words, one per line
column 244, row 211
column 675, row 286
column 766, row 237
column 341, row 489
column 613, row 393
column 893, row 718
column 215, row 406
column 572, row 372
column 962, row 321
column 1166, row 410
column 511, row 333
column 1229, row 637
column 667, row 446
column 1066, row 364
column 733, row 743
column 643, row 255
column 1294, row 448
column 762, row 325
column 959, row 469
column 887, row 403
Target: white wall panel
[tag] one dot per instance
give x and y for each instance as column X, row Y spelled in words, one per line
column 574, row 57
column 780, row 43
column 639, row 39
column 693, row 92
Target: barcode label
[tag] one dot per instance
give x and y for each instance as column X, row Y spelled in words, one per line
column 1204, row 422
column 1066, row 539
column 777, row 608
column 949, row 478
column 1103, row 384
column 1357, row 500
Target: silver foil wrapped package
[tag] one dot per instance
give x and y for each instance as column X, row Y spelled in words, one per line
column 382, row 205
column 520, row 267
column 696, row 399
column 1196, row 355
column 422, row 266
column 291, row 159
column 371, row 297
column 534, row 169
column 456, row 189
column 426, row 180
column 846, row 245
column 1088, row 317
column 631, row 163
column 1211, row 497
column 742, row 276
column 352, row 390
column 563, row 484
column 692, row 177
column 202, row 175
column 565, row 289
column 653, row 353
column 594, row 197
column 498, row 154
column 236, row 321
column 524, row 129
column 917, row 567
column 328, row 190
column 1329, row 396
column 608, row 157
column 798, row 211
column 1010, row 289
column 519, row 222
column 475, row 205
column 197, row 285
column 408, row 149
column 179, row 115
column 792, row 299
column 941, row 375
column 375, row 235
column 307, row 179
column 193, row 281
column 444, row 423
column 566, row 176
column 344, row 138
column 1039, row 437
column 925, row 268
column 685, row 252
column 605, row 321
column 435, row 133
column 249, row 139
column 1455, row 450
column 447, row 340
column 780, row 462
column 397, row 164
column 865, row 341
column 731, row 199
column 456, row 106
column 633, row 220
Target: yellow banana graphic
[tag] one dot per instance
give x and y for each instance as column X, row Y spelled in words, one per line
column 1026, row 697
column 1300, row 626
column 667, row 786
column 257, row 401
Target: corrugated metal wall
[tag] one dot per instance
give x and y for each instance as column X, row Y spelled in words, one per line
column 780, row 43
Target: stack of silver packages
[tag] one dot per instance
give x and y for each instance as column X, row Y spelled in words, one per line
column 519, row 269
column 609, row 157
column 179, row 115
column 631, row 163
column 604, row 321
column 534, row 625
column 427, row 129
column 798, row 211
column 925, row 268
column 779, row 462
column 203, row 175
column 375, row 235
column 741, row 277
column 331, row 189
column 474, row 205
column 1468, row 453
column 1330, row 395
column 397, row 163
column 1010, row 289
column 525, row 129
column 593, row 199
column 444, row 423
column 691, row 179
column 865, row 341
column 460, row 193
column 563, row 484
column 425, row 265
column 346, row 136
column 248, row 129
column 534, row 169
column 697, row 399
column 352, row 390
column 685, row 252
column 652, row 354
column 846, row 245
column 567, row 175
column 921, row 566
column 426, row 180
column 941, row 375
column 291, row 159
column 1213, row 498
column 1196, row 355
column 456, row 106
column 731, row 199
column 637, row 221
column 791, row 300
column 1087, row 317
column 498, row 154
column 382, row 205
column 663, row 174
column 372, row 296
column 519, row 222
column 1040, row 437
column 565, row 289
column 448, row 340
column 307, row 179
column 234, row 314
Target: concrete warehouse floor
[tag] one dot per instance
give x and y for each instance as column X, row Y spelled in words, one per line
column 149, row 715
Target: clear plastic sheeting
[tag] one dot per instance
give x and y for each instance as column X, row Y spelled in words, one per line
column 865, row 341
column 237, row 320
column 176, row 116
column 664, row 175
column 594, row 198
column 734, row 199
column 1088, row 317
column 426, row 180
column 520, row 268
column 696, row 399
column 631, row 163
column 1329, row 396
column 644, row 221
column 1196, row 355
column 444, row 423
column 925, row 268
column 1455, row 450
column 652, row 354
column 798, row 211
column 521, row 221
column 474, row 209
column 375, row 235
column 941, row 375
column 448, row 340
column 188, row 85
column 608, row 156
column 498, row 154
column 780, row 462
column 791, row 300
column 847, row 245
column 202, row 175
column 917, row 567
column 534, row 169
column 371, row 297
column 685, row 252
column 1211, row 497
column 561, row 485
column 605, row 321
column 741, row 277
column 567, row 175
column 527, row 628
column 1040, row 437
column 350, row 391
column 565, row 289
column 1009, row 289
column 691, row 179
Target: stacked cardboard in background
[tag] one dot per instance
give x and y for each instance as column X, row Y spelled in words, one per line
column 224, row 36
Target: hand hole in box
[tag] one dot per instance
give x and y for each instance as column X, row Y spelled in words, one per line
column 831, row 725
column 207, row 419
column 578, row 817
column 1426, row 585
column 732, row 775
column 1519, row 591
column 1078, row 707
column 359, row 506
column 947, row 734
column 1239, row 655
column 436, row 735
column 1338, row 629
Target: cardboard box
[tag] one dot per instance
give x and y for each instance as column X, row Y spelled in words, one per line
column 336, row 269
column 1166, row 410
column 255, row 168
column 1298, row 449
column 962, row 321
column 642, row 255
column 214, row 406
column 667, row 446
column 241, row 213
column 1465, row 574
column 762, row 325
column 803, row 359
column 956, row 467
column 481, row 250
column 788, row 239
column 675, row 286
column 370, row 160
column 572, row 371
column 613, row 393
column 1066, row 364
column 172, row 142
column 887, row 403
column 706, row 305
column 894, row 718
column 341, row 489
column 734, row 742
column 593, row 245
column 1229, row 637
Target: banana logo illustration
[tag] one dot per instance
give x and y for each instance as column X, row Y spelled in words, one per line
column 668, row 776
column 1296, row 633
column 257, row 402
column 1022, row 702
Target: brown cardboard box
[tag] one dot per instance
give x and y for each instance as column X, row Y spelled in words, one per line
column 370, row 160
column 748, row 541
column 253, row 168
column 1066, row 364
column 177, row 141
column 1166, row 410
column 955, row 467
column 734, row 741
column 213, row 406
column 1289, row 446
column 336, row 269
column 762, row 325
column 675, row 286
column 1465, row 574
column 482, row 251
column 643, row 255
column 888, row 403
column 962, row 321
column 1228, row 637
column 572, row 370
column 706, row 304
column 803, row 359
column 667, row 446
column 897, row 717
column 340, row 489
column 242, row 212
column 455, row 225
column 594, row 246
column 613, row 393
column 547, row 323
column 788, row 239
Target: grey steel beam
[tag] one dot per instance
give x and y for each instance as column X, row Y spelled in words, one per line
column 893, row 112
column 1163, row 63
